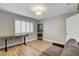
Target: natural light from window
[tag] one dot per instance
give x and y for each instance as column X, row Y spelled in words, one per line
column 23, row 27
column 17, row 26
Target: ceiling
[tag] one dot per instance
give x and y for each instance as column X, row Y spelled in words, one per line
column 52, row 9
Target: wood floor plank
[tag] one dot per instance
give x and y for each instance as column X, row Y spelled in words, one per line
column 26, row 50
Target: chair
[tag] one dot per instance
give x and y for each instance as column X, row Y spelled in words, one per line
column 71, row 48
column 71, row 42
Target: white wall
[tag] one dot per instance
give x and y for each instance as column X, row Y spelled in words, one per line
column 54, row 28
column 72, row 27
column 7, row 27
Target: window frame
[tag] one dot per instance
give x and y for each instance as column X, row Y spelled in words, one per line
column 25, row 27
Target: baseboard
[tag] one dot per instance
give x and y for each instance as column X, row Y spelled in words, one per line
column 56, row 43
column 53, row 41
column 31, row 40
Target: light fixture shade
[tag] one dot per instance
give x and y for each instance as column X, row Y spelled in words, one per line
column 39, row 9
column 39, row 13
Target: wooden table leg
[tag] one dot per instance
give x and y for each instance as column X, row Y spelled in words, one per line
column 5, row 45
column 25, row 40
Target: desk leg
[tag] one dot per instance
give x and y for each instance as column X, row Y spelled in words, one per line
column 5, row 45
column 25, row 41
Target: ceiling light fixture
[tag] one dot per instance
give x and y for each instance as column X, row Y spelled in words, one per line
column 39, row 10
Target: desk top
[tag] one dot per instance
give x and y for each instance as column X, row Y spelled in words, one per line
column 12, row 35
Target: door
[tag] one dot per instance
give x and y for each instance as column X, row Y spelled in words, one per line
column 72, row 27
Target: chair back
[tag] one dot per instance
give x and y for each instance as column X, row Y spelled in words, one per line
column 71, row 42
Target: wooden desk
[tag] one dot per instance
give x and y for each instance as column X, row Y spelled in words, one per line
column 7, row 37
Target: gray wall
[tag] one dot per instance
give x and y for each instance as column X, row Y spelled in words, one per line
column 7, row 27
column 54, row 28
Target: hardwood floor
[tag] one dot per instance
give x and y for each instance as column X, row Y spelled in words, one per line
column 33, row 48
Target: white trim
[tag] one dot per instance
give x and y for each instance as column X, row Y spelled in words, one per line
column 53, row 41
column 31, row 39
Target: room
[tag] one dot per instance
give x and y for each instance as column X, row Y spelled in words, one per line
column 39, row 29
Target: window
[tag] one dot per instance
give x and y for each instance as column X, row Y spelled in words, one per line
column 23, row 27
column 27, row 27
column 31, row 27
column 17, row 26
